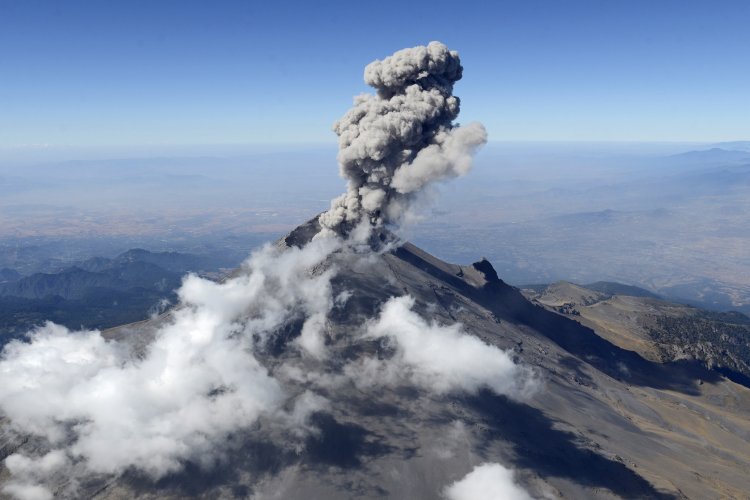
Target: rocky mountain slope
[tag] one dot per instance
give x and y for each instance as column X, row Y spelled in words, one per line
column 608, row 417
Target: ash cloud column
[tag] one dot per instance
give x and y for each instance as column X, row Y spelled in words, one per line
column 394, row 143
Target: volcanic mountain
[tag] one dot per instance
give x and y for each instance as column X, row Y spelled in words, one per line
column 343, row 362
column 600, row 422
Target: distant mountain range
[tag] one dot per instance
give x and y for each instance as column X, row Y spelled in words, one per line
column 715, row 155
column 170, row 261
column 96, row 293
column 734, row 145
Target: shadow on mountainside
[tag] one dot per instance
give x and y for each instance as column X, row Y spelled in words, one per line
column 345, row 446
column 551, row 452
column 341, row 445
column 259, row 458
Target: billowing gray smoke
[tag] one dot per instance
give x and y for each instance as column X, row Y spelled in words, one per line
column 394, row 143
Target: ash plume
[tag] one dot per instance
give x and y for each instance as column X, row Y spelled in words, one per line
column 396, row 142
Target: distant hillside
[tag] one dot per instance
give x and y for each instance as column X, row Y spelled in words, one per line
column 604, row 287
column 538, row 287
column 637, row 320
column 75, row 283
column 713, row 156
column 612, row 288
column 170, row 261
column 98, row 308
column 96, row 293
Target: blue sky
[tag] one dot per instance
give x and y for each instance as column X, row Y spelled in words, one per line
column 94, row 74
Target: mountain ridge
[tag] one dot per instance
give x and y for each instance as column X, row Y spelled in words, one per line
column 582, row 435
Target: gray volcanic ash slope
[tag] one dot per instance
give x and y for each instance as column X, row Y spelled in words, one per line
column 391, row 403
column 345, row 363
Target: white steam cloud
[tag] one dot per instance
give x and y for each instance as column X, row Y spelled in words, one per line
column 440, row 358
column 393, row 144
column 487, row 482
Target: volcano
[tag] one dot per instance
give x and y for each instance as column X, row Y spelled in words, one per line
column 602, row 421
column 343, row 362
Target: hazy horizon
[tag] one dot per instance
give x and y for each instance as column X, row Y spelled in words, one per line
column 572, row 211
column 33, row 154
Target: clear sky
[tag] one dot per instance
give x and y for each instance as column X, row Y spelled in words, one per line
column 103, row 73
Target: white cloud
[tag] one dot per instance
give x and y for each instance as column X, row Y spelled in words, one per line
column 27, row 472
column 442, row 358
column 25, row 491
column 312, row 340
column 488, row 481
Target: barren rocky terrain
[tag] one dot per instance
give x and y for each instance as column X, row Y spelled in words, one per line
column 610, row 418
